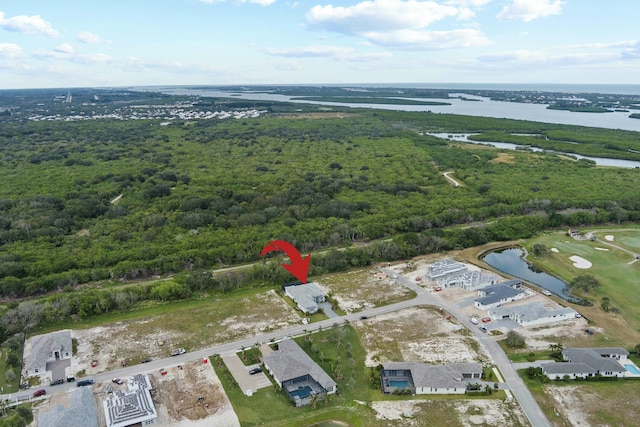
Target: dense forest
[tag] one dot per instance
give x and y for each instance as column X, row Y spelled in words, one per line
column 105, row 201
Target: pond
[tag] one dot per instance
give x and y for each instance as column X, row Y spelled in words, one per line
column 511, row 261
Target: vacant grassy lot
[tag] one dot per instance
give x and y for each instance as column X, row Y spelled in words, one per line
column 210, row 321
column 418, row 334
column 572, row 403
column 361, row 289
column 619, row 280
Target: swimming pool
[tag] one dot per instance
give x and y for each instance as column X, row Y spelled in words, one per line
column 632, row 369
column 399, row 383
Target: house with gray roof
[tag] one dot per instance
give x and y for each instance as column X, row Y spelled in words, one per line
column 588, row 362
column 297, row 374
column 131, row 407
column 532, row 314
column 496, row 295
column 42, row 349
column 77, row 408
column 421, row 378
column 306, row 296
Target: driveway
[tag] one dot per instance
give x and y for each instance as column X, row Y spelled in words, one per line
column 326, row 309
column 248, row 383
column 57, row 368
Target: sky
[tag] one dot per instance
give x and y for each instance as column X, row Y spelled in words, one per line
column 114, row 43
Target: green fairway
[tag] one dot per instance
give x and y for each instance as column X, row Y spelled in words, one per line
column 614, row 269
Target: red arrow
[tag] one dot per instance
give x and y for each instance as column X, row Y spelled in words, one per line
column 299, row 267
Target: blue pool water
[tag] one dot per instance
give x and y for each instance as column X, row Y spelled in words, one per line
column 301, row 392
column 399, row 384
column 632, row 369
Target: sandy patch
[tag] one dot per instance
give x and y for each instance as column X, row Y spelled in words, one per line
column 579, row 262
column 609, row 237
column 540, row 337
column 418, row 334
column 570, row 402
column 490, row 412
column 363, row 289
column 602, row 249
column 555, row 250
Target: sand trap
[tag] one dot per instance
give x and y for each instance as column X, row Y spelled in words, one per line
column 554, row 250
column 602, row 249
column 579, row 262
column 609, row 237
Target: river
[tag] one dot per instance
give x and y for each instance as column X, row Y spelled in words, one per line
column 482, row 107
column 600, row 161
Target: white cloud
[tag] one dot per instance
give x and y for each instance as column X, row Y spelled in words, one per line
column 429, row 40
column 401, row 24
column 381, row 15
column 89, row 38
column 335, row 52
column 64, row 48
column 27, row 25
column 528, row 10
column 10, row 51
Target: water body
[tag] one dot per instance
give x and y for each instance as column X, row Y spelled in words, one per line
column 511, row 261
column 484, row 107
column 600, row 161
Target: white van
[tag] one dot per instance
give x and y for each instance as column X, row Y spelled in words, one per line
column 474, row 320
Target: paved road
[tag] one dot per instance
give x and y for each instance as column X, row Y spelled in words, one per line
column 423, row 297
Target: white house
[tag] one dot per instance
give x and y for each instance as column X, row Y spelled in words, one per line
column 306, row 296
column 41, row 349
column 496, row 295
column 421, row 378
column 588, row 362
column 532, row 314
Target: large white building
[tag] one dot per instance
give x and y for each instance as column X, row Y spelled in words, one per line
column 532, row 314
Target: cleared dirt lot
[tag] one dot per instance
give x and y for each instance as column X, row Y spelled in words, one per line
column 362, row 289
column 176, row 396
column 461, row 412
column 155, row 336
column 419, row 334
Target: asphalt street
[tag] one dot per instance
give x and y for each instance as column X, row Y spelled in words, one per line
column 423, row 297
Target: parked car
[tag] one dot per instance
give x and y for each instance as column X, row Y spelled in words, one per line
column 546, row 292
column 486, row 319
column 117, row 381
column 474, row 320
column 589, row 331
column 40, row 392
column 364, row 317
column 483, row 329
column 437, row 288
column 578, row 315
column 146, row 360
column 178, row 351
column 71, row 379
column 83, row 383
column 56, row 382
column 255, row 371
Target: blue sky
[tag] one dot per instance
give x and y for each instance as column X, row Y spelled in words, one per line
column 72, row 43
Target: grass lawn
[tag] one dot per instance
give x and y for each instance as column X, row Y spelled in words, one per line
column 612, row 269
column 8, row 386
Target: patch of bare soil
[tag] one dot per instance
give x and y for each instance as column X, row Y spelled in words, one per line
column 465, row 412
column 572, row 402
column 503, row 158
column 362, row 289
column 155, row 336
column 540, row 337
column 418, row 334
column 192, row 396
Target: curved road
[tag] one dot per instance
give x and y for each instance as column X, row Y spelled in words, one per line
column 423, row 297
